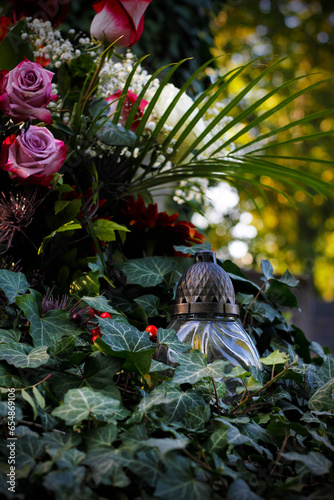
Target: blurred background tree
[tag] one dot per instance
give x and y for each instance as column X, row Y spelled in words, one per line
column 297, row 232
column 303, row 238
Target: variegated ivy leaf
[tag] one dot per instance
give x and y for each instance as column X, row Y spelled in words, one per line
column 100, row 303
column 193, row 249
column 193, row 367
column 172, row 400
column 150, row 303
column 12, row 284
column 9, row 336
column 147, row 272
column 24, row 356
column 47, row 329
column 180, row 482
column 79, row 404
column 323, row 399
column 126, row 341
column 170, row 339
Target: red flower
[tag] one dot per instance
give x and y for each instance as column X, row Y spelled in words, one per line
column 148, row 218
column 5, row 23
column 129, row 101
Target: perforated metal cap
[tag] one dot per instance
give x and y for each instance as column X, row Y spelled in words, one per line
column 205, row 288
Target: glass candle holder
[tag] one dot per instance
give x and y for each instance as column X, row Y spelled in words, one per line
column 205, row 315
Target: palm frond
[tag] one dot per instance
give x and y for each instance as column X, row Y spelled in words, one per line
column 247, row 163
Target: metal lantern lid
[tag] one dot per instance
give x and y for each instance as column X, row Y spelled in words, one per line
column 205, row 288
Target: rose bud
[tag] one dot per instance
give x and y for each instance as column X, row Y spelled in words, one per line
column 25, row 91
column 32, row 156
column 129, row 101
column 119, row 18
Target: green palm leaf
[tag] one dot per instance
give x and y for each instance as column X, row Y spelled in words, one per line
column 248, row 162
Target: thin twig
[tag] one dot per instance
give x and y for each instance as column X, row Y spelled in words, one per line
column 216, row 394
column 250, row 305
column 280, row 454
column 38, row 383
column 265, row 386
column 127, row 382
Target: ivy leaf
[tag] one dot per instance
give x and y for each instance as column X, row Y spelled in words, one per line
column 49, row 328
column 288, row 279
column 105, row 229
column 101, row 436
column 146, row 464
column 323, row 398
column 13, row 284
column 197, row 416
column 172, row 400
column 275, row 358
column 157, row 366
column 280, row 293
column 99, row 371
column 28, row 448
column 9, row 336
column 106, row 467
column 79, row 404
column 100, row 303
column 262, row 312
column 180, row 482
column 193, row 367
column 170, row 339
column 126, row 341
column 224, row 435
column 316, row 462
column 115, row 135
column 244, row 299
column 326, row 372
column 166, row 445
column 239, row 490
column 267, row 269
column 24, row 356
column 150, row 303
column 147, row 272
column 193, row 249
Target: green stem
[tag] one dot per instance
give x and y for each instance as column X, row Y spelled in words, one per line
column 265, row 385
column 250, row 305
column 96, row 74
column 92, row 234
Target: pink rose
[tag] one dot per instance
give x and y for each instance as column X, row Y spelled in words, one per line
column 129, row 101
column 32, row 156
column 116, row 18
column 25, row 91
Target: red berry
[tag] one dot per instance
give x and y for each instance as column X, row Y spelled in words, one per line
column 105, row 315
column 152, row 331
column 91, row 312
column 76, row 317
column 96, row 332
column 94, row 338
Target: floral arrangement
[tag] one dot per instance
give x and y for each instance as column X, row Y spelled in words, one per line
column 89, row 266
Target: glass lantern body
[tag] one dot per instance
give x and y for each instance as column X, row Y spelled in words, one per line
column 218, row 336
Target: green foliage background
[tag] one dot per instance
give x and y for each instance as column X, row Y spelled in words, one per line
column 104, row 420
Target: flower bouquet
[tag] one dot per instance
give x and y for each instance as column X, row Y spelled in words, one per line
column 89, row 264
